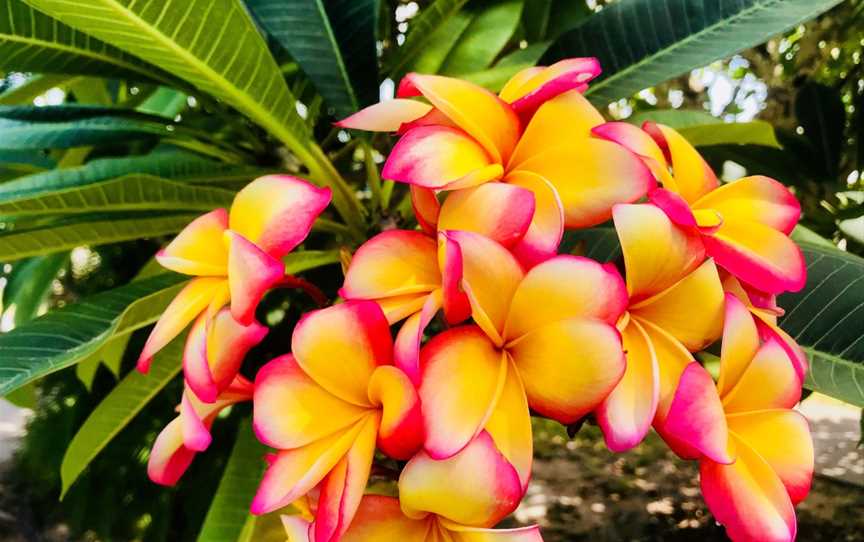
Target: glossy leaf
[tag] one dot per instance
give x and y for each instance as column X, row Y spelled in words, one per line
column 641, row 43
column 702, row 129
column 127, row 193
column 421, row 30
column 34, row 86
column 31, row 41
column 30, row 283
column 827, row 320
column 19, row 134
column 116, row 411
column 490, row 30
column 65, row 235
column 333, row 41
column 229, row 509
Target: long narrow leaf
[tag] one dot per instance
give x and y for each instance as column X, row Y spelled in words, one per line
column 67, row 235
column 116, row 411
column 641, row 43
column 421, row 31
column 66, row 336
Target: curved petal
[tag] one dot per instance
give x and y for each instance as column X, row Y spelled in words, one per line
column 476, row 487
column 756, row 199
column 433, row 118
column 393, row 263
column 276, row 212
column 386, row 116
column 693, row 176
column 458, row 397
column 189, row 303
column 546, row 229
column 490, row 276
column 169, row 458
column 211, row 361
column 569, row 366
column 401, row 427
column 296, row 528
column 437, row 156
column 480, row 113
column 251, row 272
column 675, row 207
column 748, row 498
column 510, row 91
column 696, row 416
column 499, row 211
column 293, row 473
column 625, row 415
column 770, row 381
column 657, row 253
column 740, row 344
column 426, row 207
column 565, row 120
column 591, row 176
column 566, row 287
column 343, row 487
column 406, row 350
column 198, row 249
column 399, row 307
column 457, row 307
column 339, row 347
column 196, row 434
column 380, row 518
column 290, row 410
column 510, row 425
column 563, row 76
column 691, row 310
column 635, row 140
column 782, row 439
column 768, row 329
column 758, row 255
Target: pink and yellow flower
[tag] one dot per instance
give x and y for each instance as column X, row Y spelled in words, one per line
column 744, row 224
column 756, row 453
column 675, row 308
column 544, row 339
column 234, row 258
column 325, row 407
column 519, row 182
column 189, row 432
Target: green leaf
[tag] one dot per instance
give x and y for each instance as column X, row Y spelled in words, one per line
column 333, row 41
column 826, row 319
column 86, row 231
column 304, row 260
column 165, row 102
column 30, row 283
column 496, row 77
column 599, row 243
column 18, row 135
column 490, row 30
column 24, row 397
column 215, row 46
column 641, row 43
column 68, row 335
column 703, row 130
column 31, row 41
column 803, row 234
column 229, row 509
column 127, row 193
column 35, row 86
column 432, row 56
column 421, row 30
column 853, row 228
column 675, row 118
column 116, row 411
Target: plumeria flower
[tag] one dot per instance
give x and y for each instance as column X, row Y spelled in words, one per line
column 325, row 406
column 189, row 432
column 519, row 184
column 744, row 224
column 234, row 258
column 675, row 308
column 755, row 452
column 545, row 338
column 379, row 518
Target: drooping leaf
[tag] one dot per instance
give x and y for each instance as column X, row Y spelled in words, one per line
column 116, row 411
column 128, row 193
column 67, row 335
column 214, row 46
column 30, row 283
column 333, row 41
column 68, row 234
column 641, row 43
column 490, row 30
column 827, row 320
column 31, row 41
column 421, row 30
column 18, row 135
column 229, row 509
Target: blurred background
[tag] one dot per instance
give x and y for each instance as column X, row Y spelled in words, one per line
column 808, row 84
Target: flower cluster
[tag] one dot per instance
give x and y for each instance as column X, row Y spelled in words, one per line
column 495, row 181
